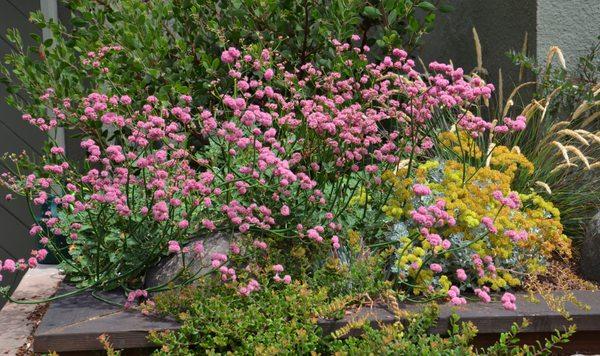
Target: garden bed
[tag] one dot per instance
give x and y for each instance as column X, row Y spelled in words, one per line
column 74, row 324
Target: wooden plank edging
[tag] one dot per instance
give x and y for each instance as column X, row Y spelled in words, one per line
column 74, row 323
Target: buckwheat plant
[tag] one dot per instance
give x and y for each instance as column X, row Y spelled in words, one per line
column 279, row 160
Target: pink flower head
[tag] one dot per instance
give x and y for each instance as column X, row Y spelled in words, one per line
column 461, row 275
column 41, row 254
column 269, row 74
column 517, row 236
column 230, row 55
column 335, row 242
column 489, row 224
column 260, row 244
column 198, row 248
column 458, row 301
column 421, row 189
column 183, row 224
column 446, row 244
column 234, row 248
column 174, row 247
column 160, row 211
column 277, row 268
column 35, row 229
column 483, row 295
column 508, row 301
column 209, row 224
column 435, row 267
column 9, row 265
column 512, row 200
column 57, row 150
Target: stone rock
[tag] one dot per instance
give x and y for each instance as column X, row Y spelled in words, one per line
column 590, row 250
column 168, row 268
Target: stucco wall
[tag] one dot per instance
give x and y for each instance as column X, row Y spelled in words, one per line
column 572, row 25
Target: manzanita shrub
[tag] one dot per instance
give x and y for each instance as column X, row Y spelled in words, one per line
column 295, row 162
column 173, row 47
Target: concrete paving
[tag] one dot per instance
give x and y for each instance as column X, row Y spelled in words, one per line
column 38, row 283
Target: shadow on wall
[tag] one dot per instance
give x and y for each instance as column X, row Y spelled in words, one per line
column 501, row 25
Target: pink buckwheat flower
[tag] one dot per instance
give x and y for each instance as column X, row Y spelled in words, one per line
column 269, row 74
column 260, row 244
column 335, row 242
column 41, row 254
column 421, row 189
column 435, row 267
column 483, row 295
column 461, row 275
column 9, row 265
column 174, row 247
column 35, row 229
column 198, row 248
column 508, row 301
column 183, row 224
column 489, row 224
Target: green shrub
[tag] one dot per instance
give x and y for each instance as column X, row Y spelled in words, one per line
column 173, row 47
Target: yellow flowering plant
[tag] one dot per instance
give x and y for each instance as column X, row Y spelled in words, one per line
column 459, row 226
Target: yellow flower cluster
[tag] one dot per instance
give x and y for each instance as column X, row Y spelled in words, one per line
column 468, row 195
column 508, row 161
column 462, row 144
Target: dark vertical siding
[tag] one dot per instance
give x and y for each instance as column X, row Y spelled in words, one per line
column 15, row 136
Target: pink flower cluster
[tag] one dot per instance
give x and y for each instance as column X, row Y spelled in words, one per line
column 483, row 294
column 287, row 279
column 455, row 298
column 461, row 275
column 252, row 286
column 516, row 236
column 479, row 265
column 508, row 301
column 512, row 200
column 421, row 189
column 273, row 147
column 516, row 125
column 489, row 224
column 21, row 264
column 96, row 59
column 435, row 239
column 133, row 296
column 433, row 215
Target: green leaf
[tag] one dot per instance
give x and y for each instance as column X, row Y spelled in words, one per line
column 445, row 8
column 426, row 5
column 393, row 15
column 371, row 12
